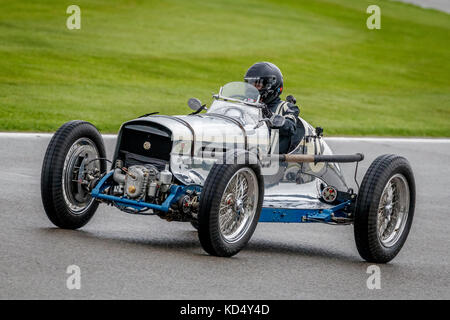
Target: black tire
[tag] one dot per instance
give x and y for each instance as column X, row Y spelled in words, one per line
column 210, row 235
column 52, row 191
column 194, row 224
column 367, row 238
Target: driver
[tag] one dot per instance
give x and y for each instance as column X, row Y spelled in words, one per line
column 267, row 78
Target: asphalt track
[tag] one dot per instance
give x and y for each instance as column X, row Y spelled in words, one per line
column 124, row 256
column 442, row 5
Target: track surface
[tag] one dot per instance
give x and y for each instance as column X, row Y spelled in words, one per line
column 124, row 256
column 442, row 5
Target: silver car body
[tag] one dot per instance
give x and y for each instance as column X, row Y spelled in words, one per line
column 199, row 141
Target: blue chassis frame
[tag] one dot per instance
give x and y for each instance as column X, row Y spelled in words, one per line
column 268, row 214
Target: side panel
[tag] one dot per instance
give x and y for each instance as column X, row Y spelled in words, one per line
column 298, row 185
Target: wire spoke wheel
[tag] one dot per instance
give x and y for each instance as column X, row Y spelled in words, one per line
column 230, row 206
column 393, row 210
column 238, row 205
column 385, row 208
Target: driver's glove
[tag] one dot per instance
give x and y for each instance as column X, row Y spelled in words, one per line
column 267, row 113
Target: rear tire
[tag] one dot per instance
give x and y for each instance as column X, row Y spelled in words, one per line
column 68, row 204
column 228, row 215
column 385, row 208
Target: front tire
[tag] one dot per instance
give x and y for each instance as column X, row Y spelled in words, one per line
column 194, row 224
column 385, row 208
column 230, row 207
column 67, row 203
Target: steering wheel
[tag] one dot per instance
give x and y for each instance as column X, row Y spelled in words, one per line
column 241, row 113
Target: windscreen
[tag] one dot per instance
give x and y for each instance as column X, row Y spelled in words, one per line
column 240, row 91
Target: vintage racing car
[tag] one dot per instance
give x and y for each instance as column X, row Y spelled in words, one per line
column 220, row 170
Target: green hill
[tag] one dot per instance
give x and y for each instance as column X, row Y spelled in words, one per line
column 135, row 57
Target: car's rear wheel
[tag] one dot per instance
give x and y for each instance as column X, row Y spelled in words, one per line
column 70, row 155
column 385, row 208
column 230, row 206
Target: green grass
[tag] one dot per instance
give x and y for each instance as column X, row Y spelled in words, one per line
column 135, row 57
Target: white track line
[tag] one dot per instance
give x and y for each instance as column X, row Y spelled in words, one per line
column 27, row 135
column 31, row 135
column 394, row 140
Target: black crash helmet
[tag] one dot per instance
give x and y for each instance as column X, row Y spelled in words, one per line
column 267, row 78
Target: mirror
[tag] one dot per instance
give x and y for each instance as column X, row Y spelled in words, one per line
column 277, row 121
column 194, row 104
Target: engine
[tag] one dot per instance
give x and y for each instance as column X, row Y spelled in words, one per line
column 144, row 182
column 141, row 182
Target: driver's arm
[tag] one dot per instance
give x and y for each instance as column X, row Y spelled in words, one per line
column 290, row 113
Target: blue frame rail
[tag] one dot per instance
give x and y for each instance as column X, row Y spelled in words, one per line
column 175, row 193
column 268, row 214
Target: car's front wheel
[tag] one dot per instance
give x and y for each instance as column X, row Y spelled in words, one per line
column 230, row 206
column 70, row 155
